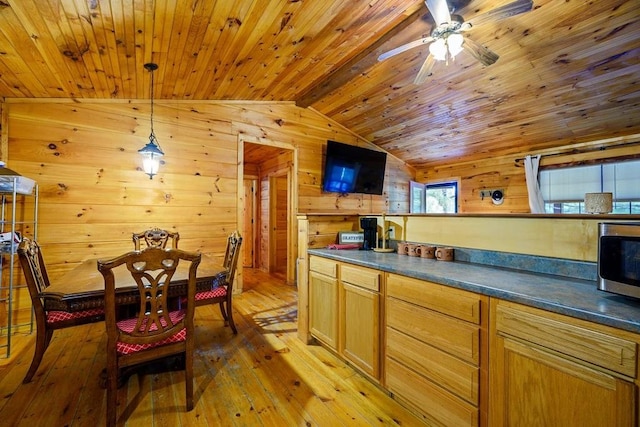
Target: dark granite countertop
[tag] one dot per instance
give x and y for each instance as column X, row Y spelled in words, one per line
column 573, row 297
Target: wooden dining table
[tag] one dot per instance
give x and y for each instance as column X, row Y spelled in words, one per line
column 82, row 288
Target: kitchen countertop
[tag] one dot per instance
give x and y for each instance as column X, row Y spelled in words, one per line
column 572, row 297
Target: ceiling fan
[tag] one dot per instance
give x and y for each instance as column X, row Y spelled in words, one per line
column 446, row 40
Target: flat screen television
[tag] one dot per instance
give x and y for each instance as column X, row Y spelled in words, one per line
column 351, row 169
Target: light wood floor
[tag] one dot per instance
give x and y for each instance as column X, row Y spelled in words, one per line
column 264, row 376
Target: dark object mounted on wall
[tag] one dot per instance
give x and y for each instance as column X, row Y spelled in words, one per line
column 497, row 197
column 351, row 169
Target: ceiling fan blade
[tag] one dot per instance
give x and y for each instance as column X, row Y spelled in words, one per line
column 425, row 70
column 510, row 9
column 404, row 48
column 439, row 9
column 481, row 53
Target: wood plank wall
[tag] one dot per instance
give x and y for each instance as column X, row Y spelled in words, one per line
column 93, row 195
column 323, row 230
column 507, row 173
column 495, row 173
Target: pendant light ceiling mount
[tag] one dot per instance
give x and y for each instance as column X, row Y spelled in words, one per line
column 151, row 152
column 150, row 66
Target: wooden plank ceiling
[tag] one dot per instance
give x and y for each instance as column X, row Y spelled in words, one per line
column 569, row 70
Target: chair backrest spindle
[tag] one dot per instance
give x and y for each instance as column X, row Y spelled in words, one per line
column 156, row 238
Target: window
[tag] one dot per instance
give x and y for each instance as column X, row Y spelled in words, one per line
column 416, row 197
column 433, row 198
column 563, row 189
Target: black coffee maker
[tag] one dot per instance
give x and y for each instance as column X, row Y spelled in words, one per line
column 370, row 228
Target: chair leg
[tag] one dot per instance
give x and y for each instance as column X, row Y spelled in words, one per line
column 112, row 397
column 225, row 307
column 188, row 375
column 224, row 313
column 43, row 338
column 232, row 324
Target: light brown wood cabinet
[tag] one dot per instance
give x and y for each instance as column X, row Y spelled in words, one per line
column 458, row 358
column 436, row 350
column 360, row 318
column 323, row 300
column 344, row 311
column 549, row 369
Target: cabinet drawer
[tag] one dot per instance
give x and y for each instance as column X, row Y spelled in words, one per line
column 444, row 299
column 324, row 266
column 450, row 335
column 607, row 351
column 435, row 403
column 461, row 378
column 360, row 276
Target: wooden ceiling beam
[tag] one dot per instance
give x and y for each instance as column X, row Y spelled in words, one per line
column 357, row 65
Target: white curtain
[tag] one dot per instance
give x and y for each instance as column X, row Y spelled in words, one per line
column 536, row 202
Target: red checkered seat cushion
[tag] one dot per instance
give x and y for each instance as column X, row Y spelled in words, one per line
column 128, row 325
column 220, row 291
column 55, row 316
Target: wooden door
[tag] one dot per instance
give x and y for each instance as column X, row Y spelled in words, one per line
column 249, row 215
column 279, row 230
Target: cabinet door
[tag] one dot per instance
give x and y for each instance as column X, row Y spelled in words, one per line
column 361, row 328
column 323, row 308
column 531, row 386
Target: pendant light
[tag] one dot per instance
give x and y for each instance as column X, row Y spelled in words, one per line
column 151, row 152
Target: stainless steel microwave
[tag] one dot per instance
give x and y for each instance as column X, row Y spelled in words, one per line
column 619, row 258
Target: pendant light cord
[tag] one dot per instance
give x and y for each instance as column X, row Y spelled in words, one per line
column 151, row 67
column 151, row 90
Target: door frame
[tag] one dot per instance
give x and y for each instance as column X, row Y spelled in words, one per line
column 292, row 198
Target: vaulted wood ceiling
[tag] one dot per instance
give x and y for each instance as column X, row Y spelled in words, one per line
column 569, row 70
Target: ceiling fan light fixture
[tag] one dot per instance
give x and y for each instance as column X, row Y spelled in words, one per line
column 446, row 40
column 439, row 49
column 454, row 42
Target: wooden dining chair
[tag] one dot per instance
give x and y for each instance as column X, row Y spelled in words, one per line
column 47, row 321
column 221, row 291
column 157, row 330
column 156, row 238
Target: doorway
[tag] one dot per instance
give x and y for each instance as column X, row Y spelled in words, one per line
column 273, row 166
